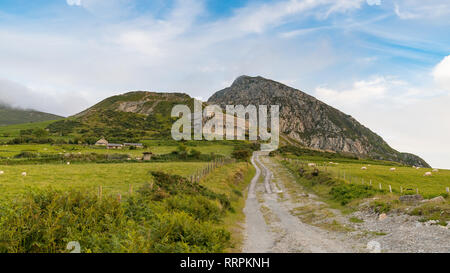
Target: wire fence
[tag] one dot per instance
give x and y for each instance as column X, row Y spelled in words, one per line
column 347, row 177
column 198, row 175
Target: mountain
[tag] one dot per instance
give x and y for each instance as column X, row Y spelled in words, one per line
column 310, row 122
column 138, row 102
column 126, row 117
column 10, row 115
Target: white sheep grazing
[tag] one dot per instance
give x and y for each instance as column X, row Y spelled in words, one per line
column 417, row 168
column 68, row 163
column 2, row 172
column 392, row 169
column 311, row 164
column 24, row 173
column 427, row 174
column 435, row 170
column 363, row 168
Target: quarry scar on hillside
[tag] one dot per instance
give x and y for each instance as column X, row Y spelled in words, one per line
column 235, row 120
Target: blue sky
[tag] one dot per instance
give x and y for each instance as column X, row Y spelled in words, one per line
column 384, row 62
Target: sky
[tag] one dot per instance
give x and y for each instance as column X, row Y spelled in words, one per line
column 386, row 63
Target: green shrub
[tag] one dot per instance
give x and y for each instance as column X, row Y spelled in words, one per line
column 169, row 215
column 199, row 207
column 241, row 155
column 380, row 207
column 346, row 193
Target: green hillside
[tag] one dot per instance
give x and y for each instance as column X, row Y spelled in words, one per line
column 9, row 116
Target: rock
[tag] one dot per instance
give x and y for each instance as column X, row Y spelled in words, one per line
column 438, row 199
column 382, row 217
column 374, row 246
column 415, row 198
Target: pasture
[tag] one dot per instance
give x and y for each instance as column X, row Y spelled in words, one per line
column 114, row 178
column 12, row 150
column 405, row 177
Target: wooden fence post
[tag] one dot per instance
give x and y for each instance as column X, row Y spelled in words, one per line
column 447, row 189
column 100, row 192
column 390, row 189
column 379, row 185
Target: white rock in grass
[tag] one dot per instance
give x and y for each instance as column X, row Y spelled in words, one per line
column 374, row 247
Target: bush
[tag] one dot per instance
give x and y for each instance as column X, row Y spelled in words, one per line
column 241, row 155
column 26, row 154
column 199, row 207
column 171, row 215
column 346, row 193
column 380, row 207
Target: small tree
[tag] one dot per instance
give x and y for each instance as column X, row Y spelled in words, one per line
column 241, row 155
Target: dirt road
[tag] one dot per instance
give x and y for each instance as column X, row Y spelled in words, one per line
column 282, row 217
column 271, row 225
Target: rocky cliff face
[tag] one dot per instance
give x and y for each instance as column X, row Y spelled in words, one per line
column 139, row 102
column 311, row 122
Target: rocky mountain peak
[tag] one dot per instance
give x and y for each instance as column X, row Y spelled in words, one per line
column 309, row 121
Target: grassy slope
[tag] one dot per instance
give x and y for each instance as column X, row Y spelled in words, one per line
column 232, row 180
column 11, row 131
column 406, row 177
column 383, row 201
column 10, row 116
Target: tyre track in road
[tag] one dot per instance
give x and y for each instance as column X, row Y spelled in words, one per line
column 270, row 226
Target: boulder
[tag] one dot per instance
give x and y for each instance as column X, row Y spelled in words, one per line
column 438, row 199
column 415, row 198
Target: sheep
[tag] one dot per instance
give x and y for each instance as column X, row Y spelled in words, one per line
column 2, row 172
column 427, row 174
column 68, row 163
column 24, row 173
column 435, row 170
column 392, row 169
column 417, row 168
column 311, row 164
column 363, row 168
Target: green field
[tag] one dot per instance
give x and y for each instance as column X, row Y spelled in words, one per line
column 405, row 177
column 114, row 178
column 12, row 150
column 11, row 131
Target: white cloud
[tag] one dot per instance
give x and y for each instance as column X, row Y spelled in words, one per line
column 73, row 2
column 374, row 2
column 441, row 74
column 416, row 9
column 61, row 102
column 410, row 118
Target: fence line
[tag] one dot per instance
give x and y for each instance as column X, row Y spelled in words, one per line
column 195, row 178
column 347, row 178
